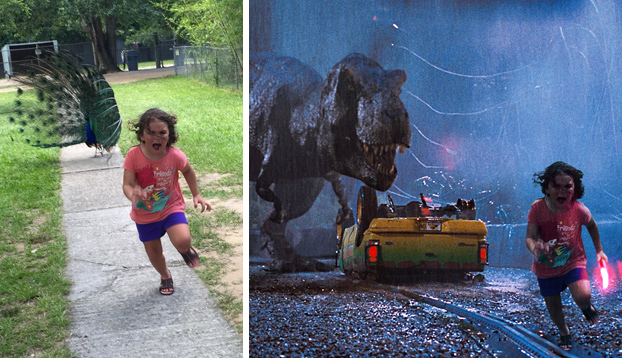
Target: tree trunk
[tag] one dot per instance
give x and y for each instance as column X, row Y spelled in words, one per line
column 111, row 40
column 156, row 41
column 104, row 59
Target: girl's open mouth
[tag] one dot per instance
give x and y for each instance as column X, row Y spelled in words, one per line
column 561, row 199
column 157, row 146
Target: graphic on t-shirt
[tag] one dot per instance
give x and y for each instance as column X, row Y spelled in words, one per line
column 558, row 253
column 154, row 182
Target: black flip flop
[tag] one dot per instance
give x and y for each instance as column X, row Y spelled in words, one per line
column 190, row 256
column 591, row 315
column 167, row 285
column 565, row 342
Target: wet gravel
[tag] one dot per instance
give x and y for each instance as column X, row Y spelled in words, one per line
column 331, row 315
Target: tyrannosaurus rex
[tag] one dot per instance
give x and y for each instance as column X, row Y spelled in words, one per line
column 304, row 130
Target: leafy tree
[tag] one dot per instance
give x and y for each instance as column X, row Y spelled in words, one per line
column 100, row 18
column 12, row 12
column 70, row 21
column 215, row 22
column 36, row 20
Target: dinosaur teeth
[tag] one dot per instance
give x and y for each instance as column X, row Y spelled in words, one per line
column 381, row 157
column 402, row 149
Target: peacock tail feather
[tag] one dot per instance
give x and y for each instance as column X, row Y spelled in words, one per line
column 66, row 102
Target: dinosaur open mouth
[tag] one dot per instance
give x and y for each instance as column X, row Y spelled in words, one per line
column 381, row 158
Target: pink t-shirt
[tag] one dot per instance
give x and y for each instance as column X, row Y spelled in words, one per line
column 562, row 233
column 161, row 181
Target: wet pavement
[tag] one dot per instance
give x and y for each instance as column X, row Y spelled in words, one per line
column 328, row 314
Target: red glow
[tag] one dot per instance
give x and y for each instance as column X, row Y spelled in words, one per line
column 426, row 211
column 450, row 153
column 482, row 255
column 604, row 274
column 374, row 18
column 373, row 253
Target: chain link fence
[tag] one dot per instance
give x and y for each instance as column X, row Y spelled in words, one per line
column 217, row 66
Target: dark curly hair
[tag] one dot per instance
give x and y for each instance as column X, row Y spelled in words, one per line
column 545, row 177
column 151, row 114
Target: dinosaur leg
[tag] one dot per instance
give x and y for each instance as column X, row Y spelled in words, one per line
column 297, row 197
column 345, row 214
column 283, row 256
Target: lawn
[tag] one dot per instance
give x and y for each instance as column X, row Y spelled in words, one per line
column 33, row 305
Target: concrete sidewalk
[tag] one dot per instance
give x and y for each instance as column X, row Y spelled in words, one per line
column 116, row 308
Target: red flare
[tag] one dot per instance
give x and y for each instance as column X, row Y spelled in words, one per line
column 604, row 274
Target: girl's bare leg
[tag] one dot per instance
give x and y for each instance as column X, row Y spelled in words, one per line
column 582, row 294
column 156, row 257
column 554, row 305
column 180, row 238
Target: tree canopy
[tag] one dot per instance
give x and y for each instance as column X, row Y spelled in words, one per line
column 12, row 11
column 100, row 19
column 214, row 22
column 217, row 23
column 36, row 20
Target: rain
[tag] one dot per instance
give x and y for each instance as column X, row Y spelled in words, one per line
column 496, row 91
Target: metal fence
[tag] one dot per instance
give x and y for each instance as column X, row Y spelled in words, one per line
column 15, row 56
column 162, row 52
column 217, row 66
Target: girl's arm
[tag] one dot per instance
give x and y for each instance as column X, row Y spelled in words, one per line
column 131, row 189
column 191, row 179
column 592, row 228
column 534, row 243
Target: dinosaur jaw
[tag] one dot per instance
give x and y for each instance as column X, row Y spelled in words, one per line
column 374, row 165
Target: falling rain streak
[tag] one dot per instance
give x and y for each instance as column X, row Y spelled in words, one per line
column 494, row 95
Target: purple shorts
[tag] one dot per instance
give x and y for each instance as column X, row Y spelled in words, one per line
column 154, row 231
column 555, row 285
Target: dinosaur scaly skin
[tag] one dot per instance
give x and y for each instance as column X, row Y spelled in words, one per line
column 304, row 130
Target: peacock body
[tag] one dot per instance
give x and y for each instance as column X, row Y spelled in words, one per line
column 66, row 102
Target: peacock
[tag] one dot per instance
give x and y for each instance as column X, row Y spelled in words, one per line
column 66, row 102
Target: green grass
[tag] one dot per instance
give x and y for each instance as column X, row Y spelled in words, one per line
column 165, row 63
column 202, row 229
column 33, row 305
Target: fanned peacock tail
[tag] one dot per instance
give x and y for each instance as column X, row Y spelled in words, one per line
column 66, row 102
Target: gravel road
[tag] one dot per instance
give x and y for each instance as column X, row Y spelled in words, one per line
column 330, row 315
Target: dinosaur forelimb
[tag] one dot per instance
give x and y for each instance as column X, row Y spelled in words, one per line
column 335, row 179
column 264, row 192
